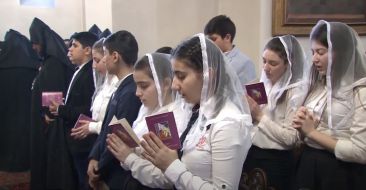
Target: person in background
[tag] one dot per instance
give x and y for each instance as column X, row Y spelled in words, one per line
column 332, row 119
column 51, row 162
column 284, row 65
column 221, row 30
column 120, row 54
column 153, row 76
column 164, row 49
column 18, row 67
column 105, row 33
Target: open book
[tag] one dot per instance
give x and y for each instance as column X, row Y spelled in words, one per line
column 123, row 129
column 82, row 117
column 164, row 126
column 48, row 97
column 257, row 92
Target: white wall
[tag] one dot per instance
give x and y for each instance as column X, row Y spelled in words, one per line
column 157, row 23
column 98, row 12
column 65, row 18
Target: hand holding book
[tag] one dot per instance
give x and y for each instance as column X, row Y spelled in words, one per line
column 257, row 92
column 157, row 152
column 122, row 129
column 81, row 127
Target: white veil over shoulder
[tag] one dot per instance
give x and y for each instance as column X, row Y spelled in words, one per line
column 221, row 86
column 346, row 70
column 295, row 76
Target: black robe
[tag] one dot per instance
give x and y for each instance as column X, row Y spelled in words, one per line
column 18, row 67
column 51, row 163
column 95, row 30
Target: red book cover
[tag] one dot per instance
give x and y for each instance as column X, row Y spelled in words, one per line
column 48, row 97
column 123, row 129
column 164, row 126
column 82, row 117
column 257, row 92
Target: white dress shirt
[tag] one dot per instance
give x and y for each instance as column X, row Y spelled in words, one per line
column 351, row 144
column 242, row 64
column 274, row 130
column 72, row 80
column 100, row 103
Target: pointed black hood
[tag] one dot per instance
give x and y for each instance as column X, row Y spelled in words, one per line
column 16, row 51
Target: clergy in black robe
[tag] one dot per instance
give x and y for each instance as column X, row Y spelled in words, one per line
column 105, row 33
column 51, row 165
column 18, row 67
column 95, row 30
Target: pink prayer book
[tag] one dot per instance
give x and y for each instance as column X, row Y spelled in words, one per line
column 82, row 117
column 164, row 126
column 257, row 92
column 48, row 97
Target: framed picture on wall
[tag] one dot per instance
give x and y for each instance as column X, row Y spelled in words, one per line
column 297, row 17
column 38, row 3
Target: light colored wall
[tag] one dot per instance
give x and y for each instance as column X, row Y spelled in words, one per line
column 64, row 18
column 98, row 12
column 157, row 23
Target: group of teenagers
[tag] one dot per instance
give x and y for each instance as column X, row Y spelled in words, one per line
column 310, row 135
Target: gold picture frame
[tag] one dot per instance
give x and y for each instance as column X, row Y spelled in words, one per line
column 297, row 17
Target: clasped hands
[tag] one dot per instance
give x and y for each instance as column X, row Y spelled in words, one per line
column 154, row 149
column 304, row 121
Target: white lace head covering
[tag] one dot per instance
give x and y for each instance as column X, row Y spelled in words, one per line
column 294, row 75
column 220, row 85
column 346, row 69
column 158, row 67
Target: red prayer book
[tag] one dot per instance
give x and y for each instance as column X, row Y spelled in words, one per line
column 257, row 92
column 164, row 126
column 124, row 130
column 82, row 117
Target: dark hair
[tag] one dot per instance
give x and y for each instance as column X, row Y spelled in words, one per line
column 86, row 39
column 98, row 45
column 143, row 65
column 165, row 49
column 190, row 52
column 320, row 35
column 276, row 45
column 221, row 25
column 125, row 44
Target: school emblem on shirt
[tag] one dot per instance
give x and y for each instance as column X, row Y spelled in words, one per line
column 202, row 142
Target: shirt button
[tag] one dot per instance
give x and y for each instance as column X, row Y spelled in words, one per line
column 223, row 186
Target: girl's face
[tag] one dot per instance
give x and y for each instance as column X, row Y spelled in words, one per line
column 98, row 63
column 274, row 66
column 187, row 81
column 320, row 57
column 146, row 89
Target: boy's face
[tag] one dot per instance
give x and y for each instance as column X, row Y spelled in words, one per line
column 110, row 60
column 77, row 54
column 222, row 43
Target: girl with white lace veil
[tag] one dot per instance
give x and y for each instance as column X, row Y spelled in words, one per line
column 154, row 72
column 284, row 65
column 333, row 118
column 217, row 139
column 104, row 87
column 153, row 76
